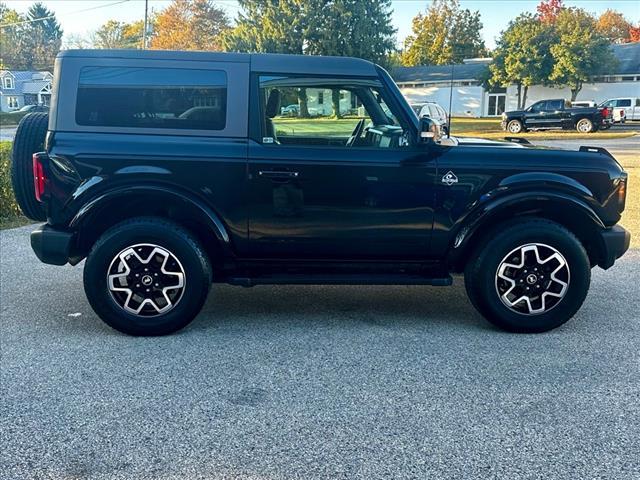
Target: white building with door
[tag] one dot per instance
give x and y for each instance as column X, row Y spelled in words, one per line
column 460, row 85
column 20, row 88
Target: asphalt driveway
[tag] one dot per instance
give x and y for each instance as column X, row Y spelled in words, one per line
column 315, row 382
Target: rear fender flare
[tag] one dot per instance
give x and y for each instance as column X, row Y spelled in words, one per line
column 166, row 196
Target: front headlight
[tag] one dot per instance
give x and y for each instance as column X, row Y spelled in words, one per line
column 504, row 116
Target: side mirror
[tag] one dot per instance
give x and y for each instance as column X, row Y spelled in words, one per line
column 430, row 130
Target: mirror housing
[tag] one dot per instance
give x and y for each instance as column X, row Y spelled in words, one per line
column 430, row 131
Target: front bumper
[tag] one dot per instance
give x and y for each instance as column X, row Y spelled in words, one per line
column 52, row 246
column 616, row 241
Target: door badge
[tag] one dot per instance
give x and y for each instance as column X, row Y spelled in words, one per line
column 449, row 178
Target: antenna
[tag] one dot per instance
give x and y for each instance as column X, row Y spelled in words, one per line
column 453, row 64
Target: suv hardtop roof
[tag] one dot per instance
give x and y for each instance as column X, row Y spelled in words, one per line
column 259, row 62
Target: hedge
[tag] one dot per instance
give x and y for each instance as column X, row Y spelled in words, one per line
column 9, row 119
column 8, row 204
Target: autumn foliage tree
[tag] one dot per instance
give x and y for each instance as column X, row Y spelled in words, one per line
column 114, row 34
column 614, row 26
column 548, row 10
column 445, row 33
column 190, row 25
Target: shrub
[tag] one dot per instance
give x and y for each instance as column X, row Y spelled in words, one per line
column 8, row 205
column 7, row 119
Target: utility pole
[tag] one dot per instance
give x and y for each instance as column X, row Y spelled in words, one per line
column 144, row 33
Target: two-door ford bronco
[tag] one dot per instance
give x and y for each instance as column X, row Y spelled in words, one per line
column 168, row 171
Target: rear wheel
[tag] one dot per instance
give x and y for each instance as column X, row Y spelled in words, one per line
column 147, row 276
column 530, row 277
column 29, row 139
column 584, row 125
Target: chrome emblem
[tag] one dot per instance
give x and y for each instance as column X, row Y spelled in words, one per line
column 449, row 178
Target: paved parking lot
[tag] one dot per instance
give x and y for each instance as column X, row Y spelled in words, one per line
column 315, row 382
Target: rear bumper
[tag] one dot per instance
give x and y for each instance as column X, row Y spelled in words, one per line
column 50, row 245
column 616, row 241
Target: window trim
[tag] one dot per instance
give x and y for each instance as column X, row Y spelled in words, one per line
column 4, row 82
column 65, row 96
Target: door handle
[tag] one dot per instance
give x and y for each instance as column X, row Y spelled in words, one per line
column 281, row 174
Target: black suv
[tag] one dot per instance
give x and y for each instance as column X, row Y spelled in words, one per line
column 168, row 171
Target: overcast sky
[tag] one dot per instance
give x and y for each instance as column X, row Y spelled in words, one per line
column 81, row 17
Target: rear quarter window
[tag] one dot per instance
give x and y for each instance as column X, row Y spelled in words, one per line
column 169, row 98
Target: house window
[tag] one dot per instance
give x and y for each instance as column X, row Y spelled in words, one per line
column 8, row 82
column 12, row 102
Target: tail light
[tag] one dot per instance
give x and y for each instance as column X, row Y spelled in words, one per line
column 622, row 194
column 38, row 177
column 605, row 112
column 622, row 113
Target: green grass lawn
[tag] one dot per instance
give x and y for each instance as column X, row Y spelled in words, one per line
column 462, row 127
column 490, row 128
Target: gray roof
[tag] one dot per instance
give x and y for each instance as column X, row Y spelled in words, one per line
column 25, row 81
column 628, row 56
column 438, row 73
column 259, row 62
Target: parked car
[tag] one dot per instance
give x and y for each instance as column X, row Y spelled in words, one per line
column 556, row 113
column 583, row 103
column 627, row 108
column 32, row 109
column 432, row 110
column 292, row 110
column 161, row 207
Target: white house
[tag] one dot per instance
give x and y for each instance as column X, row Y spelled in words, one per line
column 20, row 88
column 468, row 98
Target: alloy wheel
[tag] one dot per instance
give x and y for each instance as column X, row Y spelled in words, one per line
column 146, row 280
column 532, row 279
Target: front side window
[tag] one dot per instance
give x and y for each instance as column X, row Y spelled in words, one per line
column 314, row 112
column 168, row 98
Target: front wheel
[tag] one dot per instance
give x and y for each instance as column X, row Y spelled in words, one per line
column 147, row 276
column 515, row 126
column 530, row 277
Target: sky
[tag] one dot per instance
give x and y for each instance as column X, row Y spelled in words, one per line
column 80, row 17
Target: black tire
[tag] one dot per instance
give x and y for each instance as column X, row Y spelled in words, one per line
column 191, row 260
column 29, row 139
column 515, row 126
column 482, row 282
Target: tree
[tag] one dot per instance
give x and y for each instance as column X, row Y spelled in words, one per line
column 548, row 10
column 634, row 34
column 523, row 55
column 268, row 26
column 614, row 27
column 581, row 51
column 350, row 28
column 42, row 38
column 11, row 38
column 190, row 25
column 444, row 34
column 114, row 34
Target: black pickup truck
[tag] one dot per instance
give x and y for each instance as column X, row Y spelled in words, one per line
column 557, row 113
column 168, row 171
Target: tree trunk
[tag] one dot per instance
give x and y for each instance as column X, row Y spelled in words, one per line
column 524, row 96
column 575, row 90
column 302, row 100
column 335, row 100
column 519, row 96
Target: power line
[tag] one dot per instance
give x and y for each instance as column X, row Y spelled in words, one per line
column 53, row 16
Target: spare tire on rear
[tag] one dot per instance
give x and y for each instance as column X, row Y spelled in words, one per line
column 29, row 139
